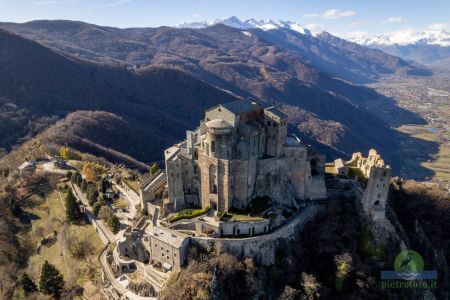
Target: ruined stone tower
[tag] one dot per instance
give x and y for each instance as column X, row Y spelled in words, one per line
column 378, row 179
column 376, row 193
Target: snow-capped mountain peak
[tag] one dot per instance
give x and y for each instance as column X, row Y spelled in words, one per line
column 406, row 37
column 250, row 23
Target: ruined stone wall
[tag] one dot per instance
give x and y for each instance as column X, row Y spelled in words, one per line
column 132, row 247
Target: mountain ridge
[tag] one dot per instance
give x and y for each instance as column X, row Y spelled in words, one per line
column 260, row 65
column 158, row 103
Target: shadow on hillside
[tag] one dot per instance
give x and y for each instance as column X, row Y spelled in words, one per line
column 26, row 218
column 413, row 152
column 372, row 125
column 409, row 153
column 386, row 108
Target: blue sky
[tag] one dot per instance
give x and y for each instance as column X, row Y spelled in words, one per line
column 339, row 17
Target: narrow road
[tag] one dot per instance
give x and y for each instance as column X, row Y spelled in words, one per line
column 110, row 275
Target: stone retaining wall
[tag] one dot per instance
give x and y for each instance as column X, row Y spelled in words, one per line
column 243, row 228
column 262, row 247
column 98, row 229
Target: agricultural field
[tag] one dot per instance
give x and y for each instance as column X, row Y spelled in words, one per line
column 424, row 145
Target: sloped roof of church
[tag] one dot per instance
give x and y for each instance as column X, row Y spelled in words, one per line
column 240, row 106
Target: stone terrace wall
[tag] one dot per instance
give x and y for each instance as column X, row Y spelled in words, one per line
column 263, row 247
column 244, row 228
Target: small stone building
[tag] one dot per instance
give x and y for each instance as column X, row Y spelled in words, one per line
column 239, row 152
column 169, row 247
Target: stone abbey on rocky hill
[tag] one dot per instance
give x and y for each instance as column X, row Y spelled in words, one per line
column 241, row 151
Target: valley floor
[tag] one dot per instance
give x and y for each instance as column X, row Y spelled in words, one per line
column 426, row 147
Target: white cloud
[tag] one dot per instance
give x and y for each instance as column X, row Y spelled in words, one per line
column 311, row 15
column 337, row 14
column 111, row 4
column 439, row 26
column 315, row 28
column 394, row 20
column 196, row 16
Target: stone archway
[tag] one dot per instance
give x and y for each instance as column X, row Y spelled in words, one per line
column 212, row 179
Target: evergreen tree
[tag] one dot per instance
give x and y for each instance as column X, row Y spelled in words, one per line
column 154, row 168
column 51, row 280
column 114, row 224
column 74, row 177
column 105, row 185
column 73, row 212
column 91, row 194
column 28, row 284
column 79, row 179
column 15, row 208
column 96, row 208
column 84, row 185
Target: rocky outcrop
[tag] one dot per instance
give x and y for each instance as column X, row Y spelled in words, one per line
column 143, row 289
column 275, row 186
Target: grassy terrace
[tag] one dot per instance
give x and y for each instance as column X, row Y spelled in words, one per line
column 47, row 216
column 252, row 214
column 188, row 213
column 238, row 217
column 121, row 203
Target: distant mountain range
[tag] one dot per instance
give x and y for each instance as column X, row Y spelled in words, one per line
column 428, row 47
column 407, row 37
column 159, row 80
column 250, row 23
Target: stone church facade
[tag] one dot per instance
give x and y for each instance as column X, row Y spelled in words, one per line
column 239, row 152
